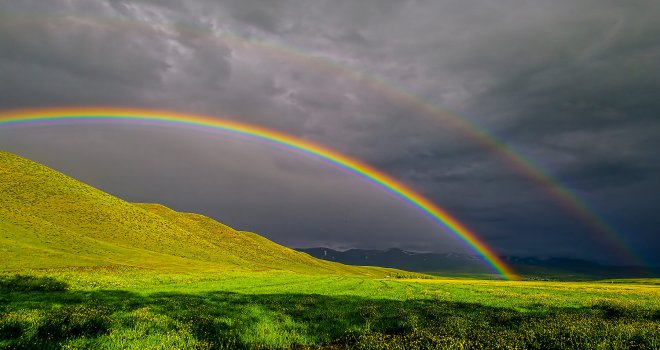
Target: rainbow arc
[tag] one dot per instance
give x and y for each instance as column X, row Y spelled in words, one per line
column 107, row 115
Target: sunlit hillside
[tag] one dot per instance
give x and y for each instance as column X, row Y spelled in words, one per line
column 49, row 220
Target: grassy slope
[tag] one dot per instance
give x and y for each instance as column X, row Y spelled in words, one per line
column 49, row 220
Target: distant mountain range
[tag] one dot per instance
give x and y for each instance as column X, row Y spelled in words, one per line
column 456, row 263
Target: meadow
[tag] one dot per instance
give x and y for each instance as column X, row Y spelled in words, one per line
column 139, row 309
column 81, row 269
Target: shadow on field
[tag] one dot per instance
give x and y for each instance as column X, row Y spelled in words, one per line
column 25, row 283
column 41, row 313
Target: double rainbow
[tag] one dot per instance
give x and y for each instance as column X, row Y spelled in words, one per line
column 562, row 195
column 106, row 115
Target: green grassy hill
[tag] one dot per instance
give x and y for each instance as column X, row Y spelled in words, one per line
column 49, row 220
column 81, row 269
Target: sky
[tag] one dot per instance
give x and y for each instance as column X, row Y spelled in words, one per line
column 572, row 85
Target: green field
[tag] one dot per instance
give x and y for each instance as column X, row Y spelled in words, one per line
column 141, row 309
column 80, row 268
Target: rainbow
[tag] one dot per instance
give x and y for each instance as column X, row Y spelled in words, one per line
column 48, row 116
column 562, row 195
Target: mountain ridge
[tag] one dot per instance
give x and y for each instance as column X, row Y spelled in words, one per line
column 459, row 263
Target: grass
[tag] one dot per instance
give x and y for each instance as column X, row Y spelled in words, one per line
column 80, row 268
column 73, row 309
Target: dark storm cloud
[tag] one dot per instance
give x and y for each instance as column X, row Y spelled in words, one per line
column 571, row 84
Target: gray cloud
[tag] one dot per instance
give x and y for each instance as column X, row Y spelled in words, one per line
column 571, row 84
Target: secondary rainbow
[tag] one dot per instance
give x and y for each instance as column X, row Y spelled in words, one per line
column 14, row 118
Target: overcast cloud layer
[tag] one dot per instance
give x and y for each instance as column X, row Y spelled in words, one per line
column 573, row 85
